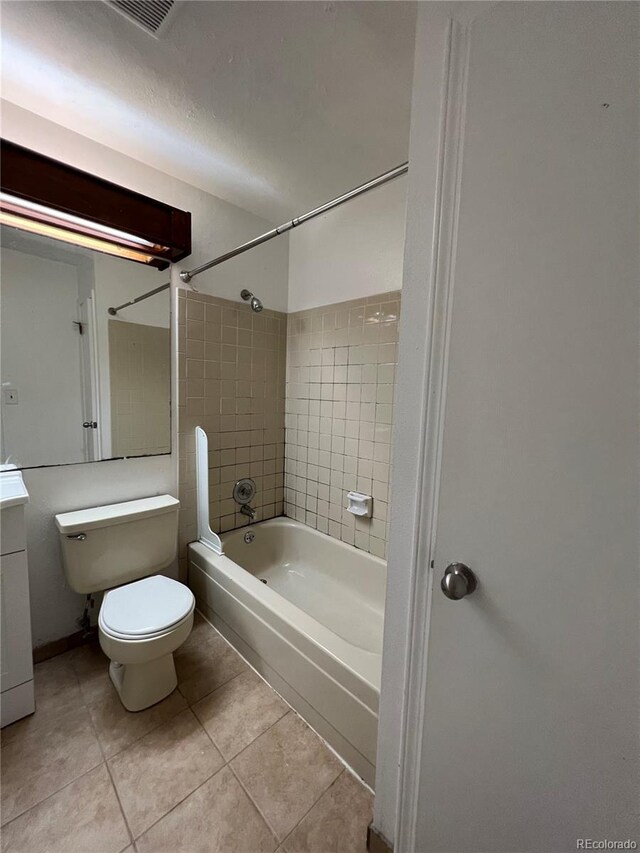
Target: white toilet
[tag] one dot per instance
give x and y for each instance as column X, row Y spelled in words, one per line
column 142, row 623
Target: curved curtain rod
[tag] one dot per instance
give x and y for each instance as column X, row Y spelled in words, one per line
column 187, row 275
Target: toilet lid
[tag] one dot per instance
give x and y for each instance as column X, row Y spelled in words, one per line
column 148, row 606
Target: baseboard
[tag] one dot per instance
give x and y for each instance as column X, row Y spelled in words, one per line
column 64, row 644
column 376, row 843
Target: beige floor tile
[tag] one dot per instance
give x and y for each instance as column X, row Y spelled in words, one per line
column 239, row 711
column 217, row 818
column 43, row 760
column 84, row 816
column 162, row 768
column 285, row 771
column 338, row 821
column 117, row 728
column 91, row 667
column 56, row 686
column 56, row 692
column 205, row 662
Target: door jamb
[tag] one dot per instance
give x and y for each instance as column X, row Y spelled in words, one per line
column 430, row 414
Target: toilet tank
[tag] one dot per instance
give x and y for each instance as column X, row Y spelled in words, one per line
column 106, row 546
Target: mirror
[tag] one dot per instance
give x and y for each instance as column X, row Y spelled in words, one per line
column 78, row 384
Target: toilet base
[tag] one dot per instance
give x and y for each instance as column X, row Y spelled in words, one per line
column 141, row 685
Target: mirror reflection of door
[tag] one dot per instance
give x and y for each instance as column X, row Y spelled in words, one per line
column 89, row 379
column 78, row 384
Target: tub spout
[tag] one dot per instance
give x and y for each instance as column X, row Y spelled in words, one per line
column 245, row 509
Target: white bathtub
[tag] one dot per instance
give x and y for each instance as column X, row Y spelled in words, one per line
column 313, row 630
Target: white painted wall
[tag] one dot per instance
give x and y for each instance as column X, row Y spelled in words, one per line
column 40, row 360
column 352, row 251
column 117, row 281
column 217, row 226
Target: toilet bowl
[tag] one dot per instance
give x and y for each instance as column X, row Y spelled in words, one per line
column 140, row 626
column 144, row 616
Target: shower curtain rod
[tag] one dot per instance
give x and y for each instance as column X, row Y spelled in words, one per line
column 114, row 311
column 187, row 275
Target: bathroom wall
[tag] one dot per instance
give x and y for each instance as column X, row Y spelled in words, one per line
column 341, row 364
column 217, row 226
column 352, row 251
column 232, row 364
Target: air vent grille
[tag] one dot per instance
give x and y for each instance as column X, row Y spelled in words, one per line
column 151, row 15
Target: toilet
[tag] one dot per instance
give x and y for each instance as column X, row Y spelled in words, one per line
column 118, row 549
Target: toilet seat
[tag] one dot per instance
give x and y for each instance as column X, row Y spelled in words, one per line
column 146, row 609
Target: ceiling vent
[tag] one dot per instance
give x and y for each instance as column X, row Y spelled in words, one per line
column 152, row 15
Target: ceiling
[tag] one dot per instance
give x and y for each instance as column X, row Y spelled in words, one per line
column 274, row 106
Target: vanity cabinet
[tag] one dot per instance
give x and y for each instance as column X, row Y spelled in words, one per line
column 16, row 661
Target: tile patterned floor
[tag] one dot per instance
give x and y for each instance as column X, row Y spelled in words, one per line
column 221, row 766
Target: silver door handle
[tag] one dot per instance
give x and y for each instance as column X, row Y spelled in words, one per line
column 458, row 581
column 90, row 425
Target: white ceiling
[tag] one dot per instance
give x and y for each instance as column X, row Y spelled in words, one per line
column 274, row 106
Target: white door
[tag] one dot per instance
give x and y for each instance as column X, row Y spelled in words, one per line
column 89, row 379
column 526, row 736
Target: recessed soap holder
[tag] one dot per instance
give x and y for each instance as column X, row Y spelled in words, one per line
column 359, row 504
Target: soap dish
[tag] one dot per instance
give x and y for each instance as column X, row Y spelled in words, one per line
column 359, row 504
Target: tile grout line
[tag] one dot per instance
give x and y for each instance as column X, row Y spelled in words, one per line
column 254, row 804
column 222, row 684
column 111, row 779
column 339, row 776
column 228, row 763
column 132, row 837
column 52, row 794
column 248, row 793
column 88, row 706
column 82, row 704
column 186, row 797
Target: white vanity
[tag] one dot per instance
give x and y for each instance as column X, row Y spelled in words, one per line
column 16, row 674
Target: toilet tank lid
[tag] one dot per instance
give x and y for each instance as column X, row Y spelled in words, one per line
column 105, row 516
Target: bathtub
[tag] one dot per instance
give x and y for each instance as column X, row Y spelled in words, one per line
column 307, row 612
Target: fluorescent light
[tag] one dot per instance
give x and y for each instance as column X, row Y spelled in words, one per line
column 37, row 226
column 29, row 210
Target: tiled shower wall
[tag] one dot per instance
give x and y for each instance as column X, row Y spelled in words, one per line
column 140, row 384
column 341, row 363
column 231, row 382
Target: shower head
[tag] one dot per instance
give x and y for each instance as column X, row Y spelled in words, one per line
column 256, row 304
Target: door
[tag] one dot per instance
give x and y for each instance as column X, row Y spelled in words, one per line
column 89, row 379
column 527, row 726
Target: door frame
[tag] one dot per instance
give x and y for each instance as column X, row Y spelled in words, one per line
column 89, row 370
column 436, row 148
